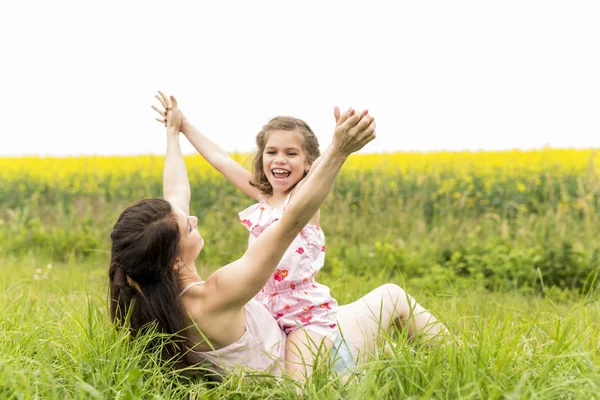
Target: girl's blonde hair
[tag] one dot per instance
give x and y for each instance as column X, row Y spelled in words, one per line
column 311, row 148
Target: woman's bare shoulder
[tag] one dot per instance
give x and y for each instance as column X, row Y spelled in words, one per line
column 204, row 299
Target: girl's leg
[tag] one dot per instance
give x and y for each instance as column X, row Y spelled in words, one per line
column 302, row 346
column 361, row 322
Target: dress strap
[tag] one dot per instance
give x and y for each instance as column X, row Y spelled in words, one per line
column 287, row 201
column 189, row 286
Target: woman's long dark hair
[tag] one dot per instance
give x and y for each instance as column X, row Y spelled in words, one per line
column 143, row 283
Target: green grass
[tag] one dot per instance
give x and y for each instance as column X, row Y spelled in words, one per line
column 57, row 342
column 508, row 262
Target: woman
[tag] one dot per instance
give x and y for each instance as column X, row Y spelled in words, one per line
column 153, row 278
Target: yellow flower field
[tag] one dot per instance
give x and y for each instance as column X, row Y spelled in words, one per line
column 566, row 177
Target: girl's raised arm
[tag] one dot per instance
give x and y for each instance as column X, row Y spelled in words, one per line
column 220, row 160
column 215, row 155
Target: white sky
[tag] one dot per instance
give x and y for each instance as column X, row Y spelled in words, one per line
column 78, row 77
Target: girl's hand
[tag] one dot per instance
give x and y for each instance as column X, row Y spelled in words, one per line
column 172, row 117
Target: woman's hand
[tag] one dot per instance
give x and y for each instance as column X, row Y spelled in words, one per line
column 172, row 117
column 341, row 118
column 353, row 131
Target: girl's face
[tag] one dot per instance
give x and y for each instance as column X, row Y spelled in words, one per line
column 284, row 160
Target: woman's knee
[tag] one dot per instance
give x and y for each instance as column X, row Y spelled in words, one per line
column 393, row 292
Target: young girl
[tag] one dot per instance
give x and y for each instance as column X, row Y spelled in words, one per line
column 303, row 308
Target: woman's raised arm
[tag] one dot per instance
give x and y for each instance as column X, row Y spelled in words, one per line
column 176, row 185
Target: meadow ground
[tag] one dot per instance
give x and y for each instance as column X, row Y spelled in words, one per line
column 501, row 246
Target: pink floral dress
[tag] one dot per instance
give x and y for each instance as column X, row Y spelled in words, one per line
column 291, row 295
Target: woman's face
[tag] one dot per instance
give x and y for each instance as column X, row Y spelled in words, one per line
column 190, row 242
